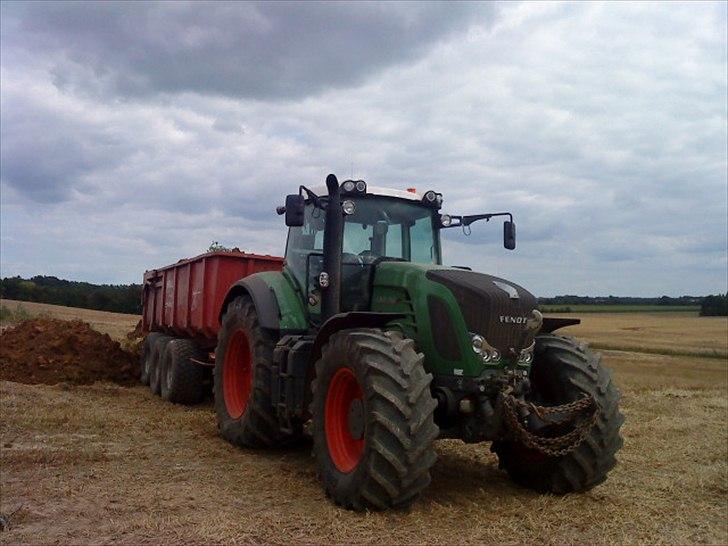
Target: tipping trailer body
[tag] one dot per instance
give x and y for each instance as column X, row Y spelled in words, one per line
column 184, row 299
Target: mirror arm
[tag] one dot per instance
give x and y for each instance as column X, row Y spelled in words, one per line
column 311, row 196
column 467, row 220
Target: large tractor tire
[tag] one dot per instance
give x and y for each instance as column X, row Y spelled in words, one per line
column 156, row 362
column 564, row 370
column 242, row 382
column 145, row 358
column 182, row 379
column 373, row 424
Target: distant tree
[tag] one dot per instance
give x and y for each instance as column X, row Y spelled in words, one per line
column 714, row 306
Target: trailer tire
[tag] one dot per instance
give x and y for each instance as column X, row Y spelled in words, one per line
column 182, row 379
column 373, row 420
column 242, row 378
column 145, row 358
column 563, row 371
column 155, row 364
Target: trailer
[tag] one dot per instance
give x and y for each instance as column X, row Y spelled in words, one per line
column 181, row 305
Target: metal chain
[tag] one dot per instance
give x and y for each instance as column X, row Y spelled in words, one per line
column 559, row 445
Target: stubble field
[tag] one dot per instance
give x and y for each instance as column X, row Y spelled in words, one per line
column 105, row 463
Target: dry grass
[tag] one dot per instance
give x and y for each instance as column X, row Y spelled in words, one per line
column 682, row 334
column 115, row 324
column 102, row 464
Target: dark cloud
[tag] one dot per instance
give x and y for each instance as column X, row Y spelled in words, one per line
column 46, row 154
column 134, row 134
column 261, row 50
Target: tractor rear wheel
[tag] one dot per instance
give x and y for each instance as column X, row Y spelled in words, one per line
column 155, row 363
column 564, row 370
column 242, row 382
column 145, row 358
column 373, row 420
column 182, row 379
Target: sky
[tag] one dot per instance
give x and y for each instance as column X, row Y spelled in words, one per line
column 135, row 134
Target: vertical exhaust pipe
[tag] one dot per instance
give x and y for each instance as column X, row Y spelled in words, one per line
column 333, row 242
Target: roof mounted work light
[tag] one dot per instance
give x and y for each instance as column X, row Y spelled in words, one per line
column 433, row 199
column 354, row 186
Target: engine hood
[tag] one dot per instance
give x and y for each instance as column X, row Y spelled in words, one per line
column 495, row 308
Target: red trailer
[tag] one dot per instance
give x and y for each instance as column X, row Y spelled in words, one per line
column 180, row 310
column 184, row 299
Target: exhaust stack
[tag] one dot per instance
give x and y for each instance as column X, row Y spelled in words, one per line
column 333, row 241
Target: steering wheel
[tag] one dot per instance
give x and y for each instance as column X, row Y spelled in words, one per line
column 365, row 254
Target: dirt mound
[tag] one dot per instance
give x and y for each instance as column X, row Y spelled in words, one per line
column 50, row 351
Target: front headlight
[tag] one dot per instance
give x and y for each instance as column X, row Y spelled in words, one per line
column 483, row 349
column 526, row 356
column 478, row 343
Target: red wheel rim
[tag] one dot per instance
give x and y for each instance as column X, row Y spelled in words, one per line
column 344, row 450
column 237, row 374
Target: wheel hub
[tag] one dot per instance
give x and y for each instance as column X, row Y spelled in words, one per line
column 356, row 419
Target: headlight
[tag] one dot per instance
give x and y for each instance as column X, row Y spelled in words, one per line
column 445, row 220
column 526, row 356
column 348, row 186
column 430, row 196
column 478, row 343
column 348, row 207
column 494, row 355
column 361, row 186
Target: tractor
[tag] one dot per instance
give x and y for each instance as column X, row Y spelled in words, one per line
column 367, row 343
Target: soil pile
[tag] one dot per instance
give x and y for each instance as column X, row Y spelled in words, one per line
column 50, row 351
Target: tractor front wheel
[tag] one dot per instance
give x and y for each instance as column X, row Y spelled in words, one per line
column 565, row 370
column 373, row 424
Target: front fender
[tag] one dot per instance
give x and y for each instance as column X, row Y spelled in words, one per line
column 343, row 321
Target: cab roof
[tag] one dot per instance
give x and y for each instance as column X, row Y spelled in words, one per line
column 379, row 190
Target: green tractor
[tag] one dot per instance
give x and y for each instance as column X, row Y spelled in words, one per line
column 369, row 344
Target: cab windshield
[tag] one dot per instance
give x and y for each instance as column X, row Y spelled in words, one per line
column 380, row 228
column 392, row 228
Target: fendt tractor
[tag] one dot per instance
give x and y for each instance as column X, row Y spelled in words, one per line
column 362, row 339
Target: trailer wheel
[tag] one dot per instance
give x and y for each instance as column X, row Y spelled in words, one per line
column 373, row 420
column 563, row 371
column 145, row 358
column 182, row 379
column 155, row 363
column 242, row 378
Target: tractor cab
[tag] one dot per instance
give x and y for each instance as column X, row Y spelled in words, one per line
column 370, row 225
column 379, row 225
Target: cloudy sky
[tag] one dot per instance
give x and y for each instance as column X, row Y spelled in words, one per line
column 134, row 134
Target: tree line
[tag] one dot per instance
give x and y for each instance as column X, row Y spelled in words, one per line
column 714, row 306
column 119, row 298
column 620, row 300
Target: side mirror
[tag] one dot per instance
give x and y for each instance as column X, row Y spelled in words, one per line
column 509, row 235
column 295, row 207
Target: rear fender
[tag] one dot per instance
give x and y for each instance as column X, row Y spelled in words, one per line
column 277, row 303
